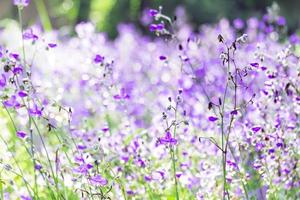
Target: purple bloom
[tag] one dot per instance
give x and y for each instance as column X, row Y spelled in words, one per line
column 15, row 56
column 123, row 95
column 29, row 35
column 38, row 167
column 18, row 70
column 147, row 178
column 238, row 23
column 178, row 174
column 98, row 180
column 162, row 57
column 81, row 147
column 21, row 2
column 98, row 59
column 52, row 45
column 152, row 12
column 168, row 139
column 153, row 27
column 256, row 65
column 212, row 118
column 160, row 27
column 21, row 134
column 23, row 197
column 12, row 102
column 294, row 39
column 256, row 129
column 22, row 93
column 3, row 81
column 234, row 112
column 83, row 169
column 281, row 21
column 35, row 111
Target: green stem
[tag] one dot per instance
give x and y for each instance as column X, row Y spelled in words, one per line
column 44, row 16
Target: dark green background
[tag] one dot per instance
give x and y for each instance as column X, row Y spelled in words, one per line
column 108, row 13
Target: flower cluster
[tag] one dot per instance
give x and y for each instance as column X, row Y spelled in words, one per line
column 209, row 115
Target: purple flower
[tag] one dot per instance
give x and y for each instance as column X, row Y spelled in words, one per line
column 294, row 39
column 256, row 65
column 212, row 118
column 2, row 81
column 152, row 12
column 38, row 167
column 256, row 129
column 83, row 169
column 52, row 45
column 160, row 27
column 15, row 56
column 23, row 3
column 98, row 180
column 21, row 134
column 178, row 174
column 12, row 102
column 29, row 35
column 168, row 139
column 234, row 112
column 22, row 93
column 23, row 197
column 123, row 95
column 81, row 147
column 162, row 57
column 153, row 27
column 238, row 23
column 35, row 111
column 147, row 178
column 18, row 70
column 281, row 21
column 98, row 59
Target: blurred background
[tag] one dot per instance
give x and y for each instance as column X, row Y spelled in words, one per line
column 107, row 14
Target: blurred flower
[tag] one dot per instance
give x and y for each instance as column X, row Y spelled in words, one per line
column 21, row 134
column 98, row 59
column 98, row 180
column 22, row 3
column 152, row 12
column 168, row 139
column 212, row 118
column 29, row 35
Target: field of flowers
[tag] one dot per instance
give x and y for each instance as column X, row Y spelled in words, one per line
column 183, row 115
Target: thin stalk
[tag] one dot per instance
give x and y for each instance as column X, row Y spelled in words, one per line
column 44, row 16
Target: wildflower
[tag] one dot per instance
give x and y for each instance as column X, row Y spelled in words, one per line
column 162, row 57
column 238, row 23
column 234, row 112
column 98, row 180
column 38, row 167
column 52, row 45
column 98, row 59
column 212, row 118
column 152, row 12
column 22, row 93
column 12, row 102
column 2, row 81
column 21, row 134
column 83, row 169
column 281, row 21
column 35, row 111
column 29, row 35
column 256, row 129
column 22, row 3
column 23, row 197
column 123, row 95
column 153, row 27
column 168, row 139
